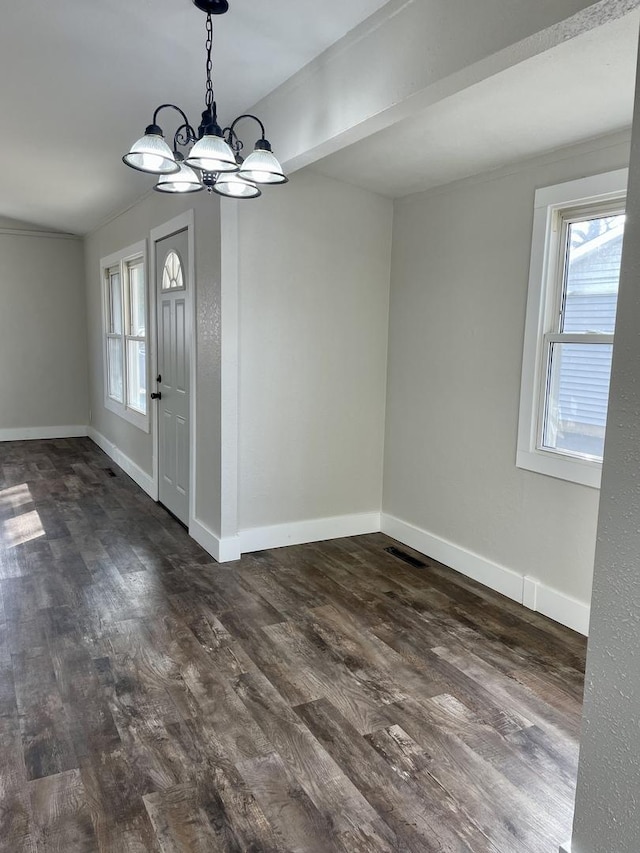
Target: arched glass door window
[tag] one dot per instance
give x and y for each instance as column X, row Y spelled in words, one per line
column 172, row 275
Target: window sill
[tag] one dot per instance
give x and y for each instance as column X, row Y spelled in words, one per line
column 129, row 415
column 562, row 467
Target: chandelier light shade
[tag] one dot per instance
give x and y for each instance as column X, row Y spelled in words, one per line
column 151, row 154
column 233, row 186
column 212, row 154
column 262, row 167
column 186, row 180
column 212, row 158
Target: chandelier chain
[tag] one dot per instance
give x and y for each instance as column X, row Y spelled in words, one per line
column 209, row 93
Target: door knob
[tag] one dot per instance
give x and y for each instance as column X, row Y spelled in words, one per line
column 156, row 395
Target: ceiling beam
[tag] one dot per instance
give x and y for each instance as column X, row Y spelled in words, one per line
column 409, row 55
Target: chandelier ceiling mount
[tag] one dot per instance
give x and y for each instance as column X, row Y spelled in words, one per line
column 212, row 7
column 212, row 157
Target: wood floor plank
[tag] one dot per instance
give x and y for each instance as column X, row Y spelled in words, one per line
column 15, row 810
column 423, row 818
column 61, row 819
column 180, row 824
column 486, row 798
column 86, row 706
column 498, row 753
column 213, row 694
column 220, row 792
column 323, row 697
column 331, row 791
column 46, row 736
column 302, row 827
column 374, row 838
column 508, row 690
column 447, row 678
column 362, row 703
column 226, row 654
column 114, row 788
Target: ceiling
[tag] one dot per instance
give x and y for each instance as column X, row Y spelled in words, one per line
column 80, row 80
column 580, row 89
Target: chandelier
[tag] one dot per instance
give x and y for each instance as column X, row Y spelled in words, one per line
column 212, row 158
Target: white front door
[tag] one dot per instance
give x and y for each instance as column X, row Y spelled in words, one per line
column 174, row 351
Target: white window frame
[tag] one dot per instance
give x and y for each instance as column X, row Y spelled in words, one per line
column 124, row 259
column 542, row 307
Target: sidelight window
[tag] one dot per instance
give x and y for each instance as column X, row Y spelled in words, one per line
column 125, row 335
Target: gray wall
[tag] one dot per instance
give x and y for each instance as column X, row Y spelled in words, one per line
column 314, row 261
column 43, row 381
column 130, row 227
column 458, row 299
column 607, row 814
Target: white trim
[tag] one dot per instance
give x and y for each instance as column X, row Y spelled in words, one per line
column 181, row 222
column 565, row 848
column 136, row 419
column 562, row 608
column 490, row 574
column 229, row 368
column 50, row 235
column 144, row 480
column 561, row 467
column 314, row 530
column 525, row 590
column 129, row 254
column 33, row 433
column 608, row 186
column 222, row 550
column 122, row 410
column 530, row 592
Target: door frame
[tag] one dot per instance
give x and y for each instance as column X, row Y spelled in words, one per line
column 181, row 222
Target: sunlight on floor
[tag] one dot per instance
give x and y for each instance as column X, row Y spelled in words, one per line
column 23, row 528
column 15, row 496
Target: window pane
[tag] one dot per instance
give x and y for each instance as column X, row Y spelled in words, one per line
column 137, row 376
column 137, row 301
column 115, row 303
column 114, row 366
column 172, row 276
column 593, row 274
column 578, row 395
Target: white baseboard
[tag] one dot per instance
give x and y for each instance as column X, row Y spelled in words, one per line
column 144, row 480
column 280, row 535
column 525, row 590
column 33, row 433
column 314, row 530
column 490, row 574
column 562, row 608
column 222, row 550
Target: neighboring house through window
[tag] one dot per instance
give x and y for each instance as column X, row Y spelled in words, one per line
column 573, row 292
column 125, row 334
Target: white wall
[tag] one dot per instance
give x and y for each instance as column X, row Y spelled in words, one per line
column 43, row 381
column 130, row 227
column 314, row 263
column 607, row 818
column 458, row 299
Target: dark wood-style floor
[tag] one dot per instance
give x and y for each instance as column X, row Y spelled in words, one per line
column 317, row 698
